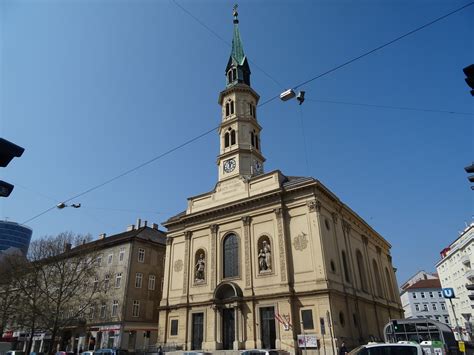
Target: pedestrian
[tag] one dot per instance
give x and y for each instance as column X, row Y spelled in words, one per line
column 343, row 349
column 160, row 350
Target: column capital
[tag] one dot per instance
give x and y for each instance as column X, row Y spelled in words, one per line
column 214, row 228
column 169, row 241
column 278, row 211
column 246, row 220
column 346, row 226
column 187, row 235
column 365, row 239
column 335, row 217
column 379, row 250
column 314, row 205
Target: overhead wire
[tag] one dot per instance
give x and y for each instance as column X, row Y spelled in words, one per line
column 195, row 18
column 337, row 102
column 262, row 104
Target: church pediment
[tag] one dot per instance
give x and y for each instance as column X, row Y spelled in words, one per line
column 236, row 189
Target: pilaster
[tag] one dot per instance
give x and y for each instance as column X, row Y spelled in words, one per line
column 214, row 229
column 246, row 220
column 281, row 243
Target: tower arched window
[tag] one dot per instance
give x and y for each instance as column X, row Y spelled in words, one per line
column 232, row 137
column 231, row 256
column 257, row 141
column 362, row 273
column 227, row 109
column 378, row 282
column 252, row 139
column 232, row 107
column 226, row 140
column 344, row 265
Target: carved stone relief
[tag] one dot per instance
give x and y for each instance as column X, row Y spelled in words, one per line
column 178, row 265
column 300, row 242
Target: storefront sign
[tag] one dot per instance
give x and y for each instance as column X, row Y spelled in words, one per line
column 308, row 341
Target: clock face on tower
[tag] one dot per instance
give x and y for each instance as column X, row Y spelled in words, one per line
column 229, row 165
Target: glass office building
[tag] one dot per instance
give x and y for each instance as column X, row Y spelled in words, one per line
column 14, row 235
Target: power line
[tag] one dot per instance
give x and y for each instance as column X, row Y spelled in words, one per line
column 195, row 18
column 389, row 107
column 384, row 45
column 264, row 103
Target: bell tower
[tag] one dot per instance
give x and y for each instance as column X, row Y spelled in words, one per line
column 239, row 132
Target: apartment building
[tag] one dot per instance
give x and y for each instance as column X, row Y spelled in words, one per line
column 455, row 271
column 130, row 275
column 424, row 299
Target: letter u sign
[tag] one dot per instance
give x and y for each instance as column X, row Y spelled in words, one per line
column 448, row 293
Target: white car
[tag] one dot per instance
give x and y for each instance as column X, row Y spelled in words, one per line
column 388, row 349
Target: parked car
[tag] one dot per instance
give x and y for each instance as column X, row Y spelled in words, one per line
column 264, row 352
column 89, row 352
column 15, row 352
column 110, row 352
column 65, row 353
column 388, row 349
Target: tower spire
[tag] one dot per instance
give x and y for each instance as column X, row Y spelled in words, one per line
column 237, row 70
column 237, row 48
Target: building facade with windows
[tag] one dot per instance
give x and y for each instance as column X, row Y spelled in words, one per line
column 265, row 257
column 455, row 270
column 14, row 236
column 424, row 299
column 130, row 274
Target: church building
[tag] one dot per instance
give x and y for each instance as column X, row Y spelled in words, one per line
column 267, row 260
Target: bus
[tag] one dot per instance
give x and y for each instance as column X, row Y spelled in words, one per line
column 420, row 330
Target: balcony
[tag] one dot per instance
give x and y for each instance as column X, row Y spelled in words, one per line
column 469, row 274
column 465, row 259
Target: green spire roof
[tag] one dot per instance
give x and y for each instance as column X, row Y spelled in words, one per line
column 237, row 48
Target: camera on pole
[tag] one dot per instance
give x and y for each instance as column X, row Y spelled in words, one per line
column 469, row 71
column 8, row 151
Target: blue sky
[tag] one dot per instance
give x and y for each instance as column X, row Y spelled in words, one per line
column 91, row 89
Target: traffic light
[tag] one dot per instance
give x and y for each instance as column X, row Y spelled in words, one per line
column 395, row 325
column 469, row 71
column 8, row 151
column 470, row 170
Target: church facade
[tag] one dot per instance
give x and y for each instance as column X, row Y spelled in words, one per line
column 266, row 260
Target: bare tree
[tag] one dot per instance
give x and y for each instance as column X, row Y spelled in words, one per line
column 58, row 285
column 8, row 288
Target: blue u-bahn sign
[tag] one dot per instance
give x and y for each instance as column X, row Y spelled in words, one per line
column 448, row 292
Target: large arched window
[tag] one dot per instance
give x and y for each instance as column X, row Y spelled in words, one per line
column 378, row 282
column 231, row 256
column 232, row 137
column 344, row 265
column 389, row 285
column 362, row 273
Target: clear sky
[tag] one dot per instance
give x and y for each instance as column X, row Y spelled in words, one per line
column 91, row 89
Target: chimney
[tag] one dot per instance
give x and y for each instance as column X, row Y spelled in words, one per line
column 130, row 227
column 145, row 223
column 139, row 223
column 102, row 236
column 67, row 247
column 154, row 226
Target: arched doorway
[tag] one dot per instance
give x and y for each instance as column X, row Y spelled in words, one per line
column 227, row 298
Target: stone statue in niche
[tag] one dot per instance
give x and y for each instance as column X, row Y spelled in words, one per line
column 265, row 257
column 200, row 267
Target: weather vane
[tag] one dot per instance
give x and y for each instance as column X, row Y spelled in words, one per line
column 234, row 11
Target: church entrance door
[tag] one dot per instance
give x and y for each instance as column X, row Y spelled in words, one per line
column 267, row 320
column 198, row 329
column 228, row 328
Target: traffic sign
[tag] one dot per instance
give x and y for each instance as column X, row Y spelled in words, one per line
column 448, row 292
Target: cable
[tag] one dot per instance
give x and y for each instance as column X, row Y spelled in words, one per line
column 384, row 45
column 390, row 107
column 264, row 103
column 224, row 41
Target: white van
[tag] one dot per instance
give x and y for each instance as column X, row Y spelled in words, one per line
column 388, row 349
